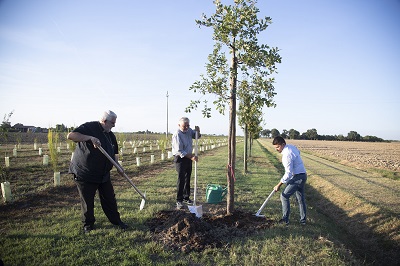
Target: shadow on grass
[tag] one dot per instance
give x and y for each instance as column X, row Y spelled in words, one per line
column 359, row 236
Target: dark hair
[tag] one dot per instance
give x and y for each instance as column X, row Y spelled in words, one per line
column 278, row 141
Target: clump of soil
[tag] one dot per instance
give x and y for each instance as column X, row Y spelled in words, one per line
column 182, row 230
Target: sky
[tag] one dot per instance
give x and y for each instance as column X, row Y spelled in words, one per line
column 66, row 62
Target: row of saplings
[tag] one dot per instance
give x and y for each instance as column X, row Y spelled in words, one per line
column 54, row 150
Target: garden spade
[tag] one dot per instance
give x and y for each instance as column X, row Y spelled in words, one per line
column 197, row 210
column 263, row 205
column 122, row 172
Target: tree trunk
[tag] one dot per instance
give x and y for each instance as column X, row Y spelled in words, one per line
column 232, row 156
column 232, row 138
column 245, row 149
column 250, row 145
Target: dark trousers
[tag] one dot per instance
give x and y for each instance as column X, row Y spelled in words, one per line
column 184, row 168
column 108, row 202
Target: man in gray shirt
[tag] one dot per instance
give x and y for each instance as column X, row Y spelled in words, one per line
column 182, row 148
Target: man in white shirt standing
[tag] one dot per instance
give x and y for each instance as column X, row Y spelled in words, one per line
column 295, row 178
column 182, row 148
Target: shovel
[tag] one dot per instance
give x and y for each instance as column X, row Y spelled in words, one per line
column 197, row 210
column 263, row 205
column 122, row 172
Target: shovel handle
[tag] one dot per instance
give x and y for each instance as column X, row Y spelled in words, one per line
column 196, row 143
column 121, row 171
column 195, row 169
column 265, row 202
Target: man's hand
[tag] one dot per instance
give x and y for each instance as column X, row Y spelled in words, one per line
column 96, row 142
column 192, row 157
column 277, row 187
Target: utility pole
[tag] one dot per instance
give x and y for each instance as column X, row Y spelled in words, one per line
column 166, row 133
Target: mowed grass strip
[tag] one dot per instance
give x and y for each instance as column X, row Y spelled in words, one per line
column 363, row 205
column 54, row 237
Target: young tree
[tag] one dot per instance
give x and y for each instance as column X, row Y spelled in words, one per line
column 250, row 118
column 5, row 127
column 254, row 133
column 53, row 137
column 235, row 32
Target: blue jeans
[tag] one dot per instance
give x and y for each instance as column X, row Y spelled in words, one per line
column 294, row 186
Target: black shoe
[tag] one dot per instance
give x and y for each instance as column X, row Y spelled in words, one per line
column 88, row 228
column 188, row 201
column 123, row 225
column 179, row 205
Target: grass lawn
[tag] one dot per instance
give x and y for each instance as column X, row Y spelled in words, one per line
column 53, row 236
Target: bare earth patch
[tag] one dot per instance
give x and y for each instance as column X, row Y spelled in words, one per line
column 182, row 230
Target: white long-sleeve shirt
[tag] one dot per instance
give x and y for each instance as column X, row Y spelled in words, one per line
column 292, row 162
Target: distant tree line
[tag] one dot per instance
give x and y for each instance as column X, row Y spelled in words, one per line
column 5, row 127
column 312, row 134
column 62, row 128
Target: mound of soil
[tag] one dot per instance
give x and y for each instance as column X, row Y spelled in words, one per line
column 182, row 230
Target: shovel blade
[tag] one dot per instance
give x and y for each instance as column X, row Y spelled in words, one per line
column 142, row 202
column 197, row 210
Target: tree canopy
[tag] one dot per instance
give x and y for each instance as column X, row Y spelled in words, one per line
column 236, row 53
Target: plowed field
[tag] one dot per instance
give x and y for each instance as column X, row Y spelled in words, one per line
column 357, row 154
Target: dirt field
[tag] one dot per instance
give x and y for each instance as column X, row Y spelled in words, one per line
column 357, row 154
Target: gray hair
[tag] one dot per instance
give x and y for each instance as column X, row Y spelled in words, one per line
column 184, row 120
column 107, row 115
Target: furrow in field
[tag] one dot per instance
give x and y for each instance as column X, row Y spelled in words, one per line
column 378, row 191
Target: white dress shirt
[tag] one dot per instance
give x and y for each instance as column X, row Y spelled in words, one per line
column 292, row 162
